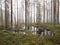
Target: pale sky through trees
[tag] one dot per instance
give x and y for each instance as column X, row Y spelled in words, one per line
column 21, row 9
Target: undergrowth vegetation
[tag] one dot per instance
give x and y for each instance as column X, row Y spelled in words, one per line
column 8, row 38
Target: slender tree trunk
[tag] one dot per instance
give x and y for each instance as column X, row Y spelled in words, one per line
column 31, row 16
column 26, row 15
column 34, row 14
column 1, row 16
column 47, row 15
column 57, row 11
column 6, row 14
column 47, row 11
column 11, row 15
column 54, row 11
column 38, row 14
column 51, row 12
column 43, row 11
column 17, row 13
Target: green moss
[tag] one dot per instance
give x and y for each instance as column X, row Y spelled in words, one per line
column 7, row 38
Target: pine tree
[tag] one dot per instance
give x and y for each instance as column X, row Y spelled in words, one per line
column 6, row 14
column 11, row 15
column 43, row 11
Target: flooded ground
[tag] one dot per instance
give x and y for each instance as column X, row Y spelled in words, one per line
column 41, row 31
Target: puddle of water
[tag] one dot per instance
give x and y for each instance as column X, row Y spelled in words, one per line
column 34, row 29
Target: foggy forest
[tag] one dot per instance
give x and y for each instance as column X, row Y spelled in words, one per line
column 29, row 22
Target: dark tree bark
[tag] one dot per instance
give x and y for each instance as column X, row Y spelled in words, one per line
column 6, row 14
column 26, row 15
column 54, row 11
column 57, row 11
